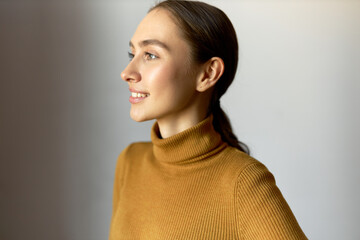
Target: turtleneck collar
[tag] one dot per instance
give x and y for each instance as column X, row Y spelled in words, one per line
column 193, row 144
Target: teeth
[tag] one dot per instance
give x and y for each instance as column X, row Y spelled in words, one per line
column 133, row 94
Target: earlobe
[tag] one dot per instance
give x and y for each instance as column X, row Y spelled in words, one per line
column 212, row 71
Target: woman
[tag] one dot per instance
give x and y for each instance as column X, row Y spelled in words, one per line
column 193, row 180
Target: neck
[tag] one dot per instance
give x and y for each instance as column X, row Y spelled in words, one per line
column 171, row 126
column 188, row 117
column 188, row 146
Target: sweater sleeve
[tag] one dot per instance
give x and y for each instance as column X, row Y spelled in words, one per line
column 118, row 178
column 261, row 210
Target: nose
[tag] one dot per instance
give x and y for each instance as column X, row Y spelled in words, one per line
column 131, row 73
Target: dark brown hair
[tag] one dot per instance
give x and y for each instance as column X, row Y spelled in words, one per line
column 209, row 33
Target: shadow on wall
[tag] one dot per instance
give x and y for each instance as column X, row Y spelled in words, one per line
column 62, row 115
column 40, row 94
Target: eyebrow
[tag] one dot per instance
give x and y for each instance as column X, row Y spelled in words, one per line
column 151, row 42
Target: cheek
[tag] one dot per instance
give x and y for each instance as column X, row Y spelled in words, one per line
column 162, row 80
column 170, row 82
column 159, row 78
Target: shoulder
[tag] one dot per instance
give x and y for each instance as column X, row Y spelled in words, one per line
column 136, row 148
column 249, row 172
column 239, row 162
column 131, row 152
column 256, row 176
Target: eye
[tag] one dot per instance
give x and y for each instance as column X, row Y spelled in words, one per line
column 131, row 55
column 150, row 56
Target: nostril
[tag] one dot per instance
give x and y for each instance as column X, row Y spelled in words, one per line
column 126, row 76
column 130, row 77
column 131, row 72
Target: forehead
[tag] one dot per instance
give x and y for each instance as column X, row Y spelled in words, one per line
column 158, row 24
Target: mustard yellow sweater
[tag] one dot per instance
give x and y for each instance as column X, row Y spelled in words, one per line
column 194, row 186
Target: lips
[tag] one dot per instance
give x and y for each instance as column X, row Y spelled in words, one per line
column 137, row 96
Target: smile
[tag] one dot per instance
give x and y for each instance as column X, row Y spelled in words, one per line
column 139, row 95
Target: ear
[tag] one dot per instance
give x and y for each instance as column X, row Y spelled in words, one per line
column 213, row 69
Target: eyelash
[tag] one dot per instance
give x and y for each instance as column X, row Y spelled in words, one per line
column 131, row 56
column 148, row 56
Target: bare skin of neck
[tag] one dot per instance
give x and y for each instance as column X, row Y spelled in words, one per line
column 172, row 125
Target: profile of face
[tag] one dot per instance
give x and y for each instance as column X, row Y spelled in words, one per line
column 161, row 75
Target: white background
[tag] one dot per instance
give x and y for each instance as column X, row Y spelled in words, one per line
column 64, row 110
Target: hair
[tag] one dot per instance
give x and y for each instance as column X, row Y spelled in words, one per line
column 210, row 33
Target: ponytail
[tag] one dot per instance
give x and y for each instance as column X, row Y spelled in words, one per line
column 222, row 125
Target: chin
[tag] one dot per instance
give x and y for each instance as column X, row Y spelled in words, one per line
column 138, row 118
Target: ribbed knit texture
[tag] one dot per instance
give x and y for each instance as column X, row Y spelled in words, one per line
column 194, row 186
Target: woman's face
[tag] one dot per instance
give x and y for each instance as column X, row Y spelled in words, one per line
column 161, row 77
